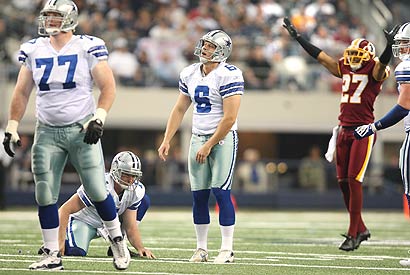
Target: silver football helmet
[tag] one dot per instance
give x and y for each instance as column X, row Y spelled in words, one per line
column 223, row 44
column 401, row 46
column 126, row 163
column 65, row 21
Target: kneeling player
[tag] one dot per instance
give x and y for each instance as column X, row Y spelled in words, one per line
column 79, row 220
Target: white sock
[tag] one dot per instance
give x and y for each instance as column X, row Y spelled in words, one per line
column 227, row 237
column 114, row 228
column 50, row 238
column 202, row 236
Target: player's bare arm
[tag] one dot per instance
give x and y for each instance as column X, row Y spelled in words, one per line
column 174, row 121
column 133, row 234
column 329, row 63
column 231, row 109
column 104, row 79
column 72, row 205
column 21, row 94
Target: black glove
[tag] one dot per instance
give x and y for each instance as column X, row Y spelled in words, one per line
column 390, row 35
column 7, row 142
column 94, row 132
column 290, row 28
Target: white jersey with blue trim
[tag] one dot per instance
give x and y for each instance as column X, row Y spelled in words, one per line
column 63, row 78
column 208, row 92
column 402, row 74
column 130, row 199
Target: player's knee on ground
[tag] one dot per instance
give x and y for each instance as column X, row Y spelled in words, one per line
column 200, row 206
column 226, row 208
column 73, row 251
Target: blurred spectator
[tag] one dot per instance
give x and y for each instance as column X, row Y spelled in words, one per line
column 167, row 69
column 251, row 173
column 176, row 25
column 124, row 64
column 259, row 73
column 312, row 171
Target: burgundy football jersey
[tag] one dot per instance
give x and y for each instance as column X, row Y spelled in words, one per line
column 359, row 91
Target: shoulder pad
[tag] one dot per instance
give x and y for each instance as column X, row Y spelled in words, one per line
column 93, row 46
column 402, row 72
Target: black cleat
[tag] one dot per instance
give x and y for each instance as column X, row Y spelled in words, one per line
column 349, row 244
column 362, row 236
column 132, row 253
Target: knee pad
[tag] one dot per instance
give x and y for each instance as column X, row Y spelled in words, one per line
column 200, row 208
column 226, row 208
column 73, row 251
column 44, row 196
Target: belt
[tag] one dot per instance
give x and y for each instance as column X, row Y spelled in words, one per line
column 349, row 127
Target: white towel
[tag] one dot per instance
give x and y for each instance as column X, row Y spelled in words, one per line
column 332, row 144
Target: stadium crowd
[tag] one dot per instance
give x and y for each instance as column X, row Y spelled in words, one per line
column 156, row 39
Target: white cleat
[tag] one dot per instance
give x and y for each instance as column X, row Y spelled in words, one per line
column 405, row 262
column 200, row 255
column 121, row 254
column 49, row 261
column 224, row 256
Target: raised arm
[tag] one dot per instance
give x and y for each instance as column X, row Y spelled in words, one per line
column 323, row 58
column 379, row 71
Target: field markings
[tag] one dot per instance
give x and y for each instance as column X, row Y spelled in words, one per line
column 184, row 261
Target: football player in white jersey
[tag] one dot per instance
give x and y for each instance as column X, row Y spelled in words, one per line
column 80, row 222
column 62, row 67
column 401, row 49
column 214, row 87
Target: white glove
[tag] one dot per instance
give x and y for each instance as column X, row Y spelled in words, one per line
column 11, row 137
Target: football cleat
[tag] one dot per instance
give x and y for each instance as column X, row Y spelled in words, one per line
column 405, row 262
column 132, row 253
column 362, row 236
column 121, row 255
column 200, row 255
column 348, row 244
column 51, row 260
column 224, row 256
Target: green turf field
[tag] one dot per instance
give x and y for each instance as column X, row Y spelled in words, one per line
column 266, row 242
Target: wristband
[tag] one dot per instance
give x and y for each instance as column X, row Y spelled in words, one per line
column 386, row 55
column 396, row 114
column 12, row 126
column 311, row 49
column 100, row 114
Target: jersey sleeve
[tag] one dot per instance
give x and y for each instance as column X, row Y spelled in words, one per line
column 183, row 77
column 95, row 49
column 139, row 194
column 402, row 72
column 25, row 52
column 232, row 82
column 84, row 197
